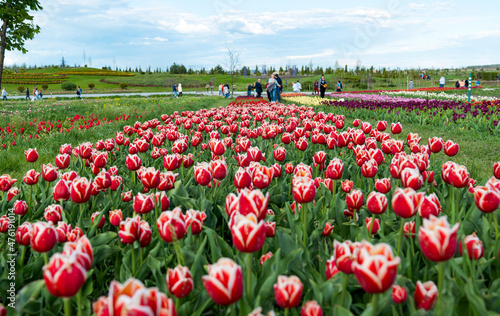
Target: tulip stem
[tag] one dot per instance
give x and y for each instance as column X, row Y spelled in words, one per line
column 178, row 252
column 67, row 306
column 370, row 229
column 45, row 258
column 79, row 302
column 345, row 279
column 400, row 239
column 248, row 257
column 286, row 311
column 440, row 286
column 23, row 254
column 304, row 223
column 133, row 258
column 31, row 194
column 374, row 303
column 495, row 221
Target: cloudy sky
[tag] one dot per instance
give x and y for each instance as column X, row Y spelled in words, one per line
column 388, row 33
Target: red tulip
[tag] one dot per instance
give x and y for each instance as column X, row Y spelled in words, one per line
column 242, row 178
column 13, row 192
column 145, row 234
column 396, row 128
column 496, row 170
column 203, row 173
column 334, row 169
column 20, row 207
column 103, row 180
column 43, row 237
column 171, row 162
column 64, row 275
column 62, row 231
column 331, row 268
column 374, row 227
column 429, row 205
column 345, row 253
column 83, row 249
column 53, row 213
column 319, row 157
column 435, row 144
column 409, row 229
column 474, row 246
column 85, row 150
column 130, row 230
column 487, row 198
column 80, row 190
column 347, row 185
column 311, row 308
column 354, row 200
column 115, row 217
column 247, row 202
column 301, row 144
column 382, row 125
column 167, row 181
column 270, row 229
column 49, row 173
column 426, row 295
column 219, row 169
column 179, row 281
column 369, row 169
column 75, row 234
column 4, row 224
column 23, row 233
column 383, row 185
column 279, row 154
column 327, row 230
column 265, row 257
column 288, row 291
column 437, row 239
column 133, row 162
column 61, row 190
column 195, row 220
column 171, row 225
column 65, row 149
column 405, row 202
column 150, row 178
column 100, row 159
column 376, row 268
column 31, row 155
column 31, row 177
column 303, row 189
column 95, row 215
column 411, row 178
column 455, row 175
column 303, row 170
column 143, row 203
column 248, row 232
column 399, row 294
column 451, row 148
column 127, row 196
column 289, row 168
column 224, row 282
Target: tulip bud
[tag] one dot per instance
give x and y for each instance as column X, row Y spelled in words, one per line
column 375, row 226
column 224, row 282
column 265, row 257
column 64, row 275
column 143, row 203
column 249, row 234
column 399, row 294
column 474, row 246
column 49, row 173
column 53, row 213
column 6, row 182
column 195, row 220
column 179, row 281
column 429, row 205
column 327, row 230
column 31, row 155
column 354, row 200
column 331, row 268
column 20, row 207
column 115, row 217
column 376, row 203
column 80, row 190
column 426, row 295
column 31, row 177
column 311, row 308
column 405, row 202
column 203, row 173
column 43, row 237
column 288, row 291
column 171, row 225
column 129, row 230
column 23, row 233
column 303, row 189
column 487, row 198
column 437, row 239
column 145, row 234
column 95, row 215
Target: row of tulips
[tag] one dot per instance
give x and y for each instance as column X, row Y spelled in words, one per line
column 268, row 230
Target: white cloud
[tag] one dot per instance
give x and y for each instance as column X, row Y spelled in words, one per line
column 326, row 53
column 416, row 6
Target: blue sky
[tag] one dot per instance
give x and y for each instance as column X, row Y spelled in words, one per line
column 389, row 33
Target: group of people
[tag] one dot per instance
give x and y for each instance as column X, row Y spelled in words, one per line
column 177, row 90
column 36, row 95
column 321, row 85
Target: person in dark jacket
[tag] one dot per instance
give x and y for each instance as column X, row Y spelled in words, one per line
column 322, row 86
column 466, row 83
column 258, row 88
column 249, row 89
column 268, row 93
column 316, row 87
column 457, row 84
column 280, row 87
column 27, row 94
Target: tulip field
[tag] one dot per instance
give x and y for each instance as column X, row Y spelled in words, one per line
column 245, row 207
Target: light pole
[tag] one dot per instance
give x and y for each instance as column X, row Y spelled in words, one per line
column 470, row 84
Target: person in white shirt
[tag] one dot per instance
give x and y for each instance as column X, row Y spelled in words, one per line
column 297, row 87
column 179, row 89
column 4, row 94
column 442, row 81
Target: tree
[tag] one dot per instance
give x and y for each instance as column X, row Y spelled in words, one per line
column 232, row 61
column 17, row 26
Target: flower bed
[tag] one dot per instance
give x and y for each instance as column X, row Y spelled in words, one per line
column 432, row 89
column 246, row 209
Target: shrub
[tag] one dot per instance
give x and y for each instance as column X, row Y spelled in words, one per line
column 20, row 89
column 45, row 86
column 91, row 86
column 68, row 86
column 123, row 86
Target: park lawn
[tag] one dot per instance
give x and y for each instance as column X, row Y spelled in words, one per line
column 139, row 109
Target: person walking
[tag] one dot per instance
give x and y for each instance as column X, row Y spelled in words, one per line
column 27, row 93
column 179, row 89
column 442, row 82
column 220, row 89
column 457, row 84
column 322, row 86
column 4, row 94
column 466, row 83
column 271, row 88
column 280, row 86
column 225, row 90
column 34, row 93
column 249, row 89
column 411, row 85
column 79, row 93
column 37, row 94
column 339, row 86
column 258, row 88
column 316, row 87
column 174, row 89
